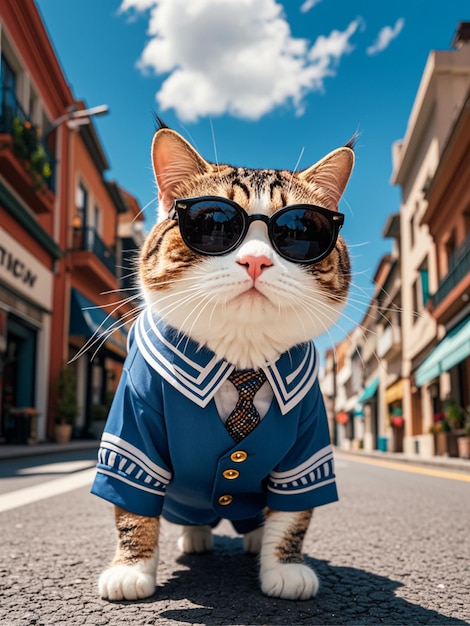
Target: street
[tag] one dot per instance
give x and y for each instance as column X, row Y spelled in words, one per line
column 394, row 550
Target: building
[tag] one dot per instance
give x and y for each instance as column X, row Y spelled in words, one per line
column 442, row 94
column 413, row 345
column 61, row 237
column 444, row 376
column 389, row 343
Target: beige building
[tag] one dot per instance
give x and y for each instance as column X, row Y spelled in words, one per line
column 407, row 364
column 441, row 95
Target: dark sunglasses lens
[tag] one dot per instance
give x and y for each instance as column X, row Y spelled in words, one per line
column 211, row 227
column 302, row 234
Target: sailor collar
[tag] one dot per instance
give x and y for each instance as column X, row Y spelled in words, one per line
column 197, row 373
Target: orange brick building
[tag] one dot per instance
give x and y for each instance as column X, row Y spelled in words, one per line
column 61, row 236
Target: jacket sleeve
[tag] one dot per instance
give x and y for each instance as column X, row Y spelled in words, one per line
column 133, row 467
column 305, row 477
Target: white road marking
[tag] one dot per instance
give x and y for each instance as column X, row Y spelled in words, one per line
column 28, row 495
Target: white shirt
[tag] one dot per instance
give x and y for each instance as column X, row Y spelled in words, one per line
column 227, row 395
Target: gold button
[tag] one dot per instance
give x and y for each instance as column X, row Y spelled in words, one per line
column 231, row 474
column 224, row 500
column 239, row 456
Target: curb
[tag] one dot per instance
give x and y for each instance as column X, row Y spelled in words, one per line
column 443, row 462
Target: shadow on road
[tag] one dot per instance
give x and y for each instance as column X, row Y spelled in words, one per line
column 224, row 587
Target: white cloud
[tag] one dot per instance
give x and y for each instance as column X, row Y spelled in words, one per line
column 234, row 57
column 386, row 35
column 336, row 44
column 309, row 4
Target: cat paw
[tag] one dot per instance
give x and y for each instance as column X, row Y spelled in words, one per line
column 195, row 539
column 127, row 582
column 252, row 541
column 290, row 581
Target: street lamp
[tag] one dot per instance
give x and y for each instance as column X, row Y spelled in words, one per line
column 77, row 117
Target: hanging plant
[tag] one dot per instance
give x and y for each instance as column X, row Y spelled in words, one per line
column 31, row 152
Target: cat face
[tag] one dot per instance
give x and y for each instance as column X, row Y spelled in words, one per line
column 251, row 304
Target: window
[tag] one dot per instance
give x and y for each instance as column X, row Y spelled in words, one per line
column 97, row 220
column 450, row 249
column 421, row 288
column 81, row 205
column 424, row 279
column 466, row 217
column 413, row 225
column 8, row 95
column 416, row 300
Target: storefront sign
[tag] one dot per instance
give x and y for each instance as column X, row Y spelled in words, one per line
column 20, row 270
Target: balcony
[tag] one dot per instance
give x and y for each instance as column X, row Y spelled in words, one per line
column 90, row 255
column 447, row 299
column 25, row 160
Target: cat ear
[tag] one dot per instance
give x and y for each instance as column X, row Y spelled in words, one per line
column 331, row 175
column 174, row 159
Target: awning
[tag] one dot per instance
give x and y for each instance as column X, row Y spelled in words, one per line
column 455, row 347
column 89, row 320
column 370, row 391
column 394, row 392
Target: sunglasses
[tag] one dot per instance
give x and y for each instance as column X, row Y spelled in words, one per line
column 302, row 233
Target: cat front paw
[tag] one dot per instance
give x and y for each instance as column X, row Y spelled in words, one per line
column 290, row 581
column 195, row 539
column 127, row 582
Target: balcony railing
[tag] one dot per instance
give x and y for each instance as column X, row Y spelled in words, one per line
column 459, row 267
column 36, row 157
column 88, row 239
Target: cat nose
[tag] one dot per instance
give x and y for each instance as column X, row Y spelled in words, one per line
column 254, row 265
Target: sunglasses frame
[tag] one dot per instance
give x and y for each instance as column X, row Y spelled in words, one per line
column 180, row 206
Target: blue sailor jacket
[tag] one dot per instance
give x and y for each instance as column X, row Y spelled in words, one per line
column 165, row 449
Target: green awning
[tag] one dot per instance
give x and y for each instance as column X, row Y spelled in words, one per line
column 89, row 320
column 455, row 347
column 370, row 391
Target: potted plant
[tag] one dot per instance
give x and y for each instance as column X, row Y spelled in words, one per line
column 66, row 405
column 454, row 414
column 445, row 441
column 463, row 442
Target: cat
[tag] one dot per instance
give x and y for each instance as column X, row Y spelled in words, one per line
column 224, row 291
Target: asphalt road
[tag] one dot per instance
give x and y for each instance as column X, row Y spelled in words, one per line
column 394, row 550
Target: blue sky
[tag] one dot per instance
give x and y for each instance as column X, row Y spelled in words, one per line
column 269, row 81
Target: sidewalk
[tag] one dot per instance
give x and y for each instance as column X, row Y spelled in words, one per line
column 442, row 462
column 450, row 463
column 12, row 451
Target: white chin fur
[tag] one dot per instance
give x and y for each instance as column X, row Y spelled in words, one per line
column 212, row 305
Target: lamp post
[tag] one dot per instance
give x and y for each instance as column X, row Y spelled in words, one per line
column 67, row 178
column 77, row 117
column 74, row 117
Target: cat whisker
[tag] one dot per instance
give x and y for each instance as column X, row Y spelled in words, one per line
column 295, row 170
column 214, row 146
column 106, row 331
column 141, row 212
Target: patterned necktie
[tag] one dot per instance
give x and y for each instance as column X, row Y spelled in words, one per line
column 244, row 417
